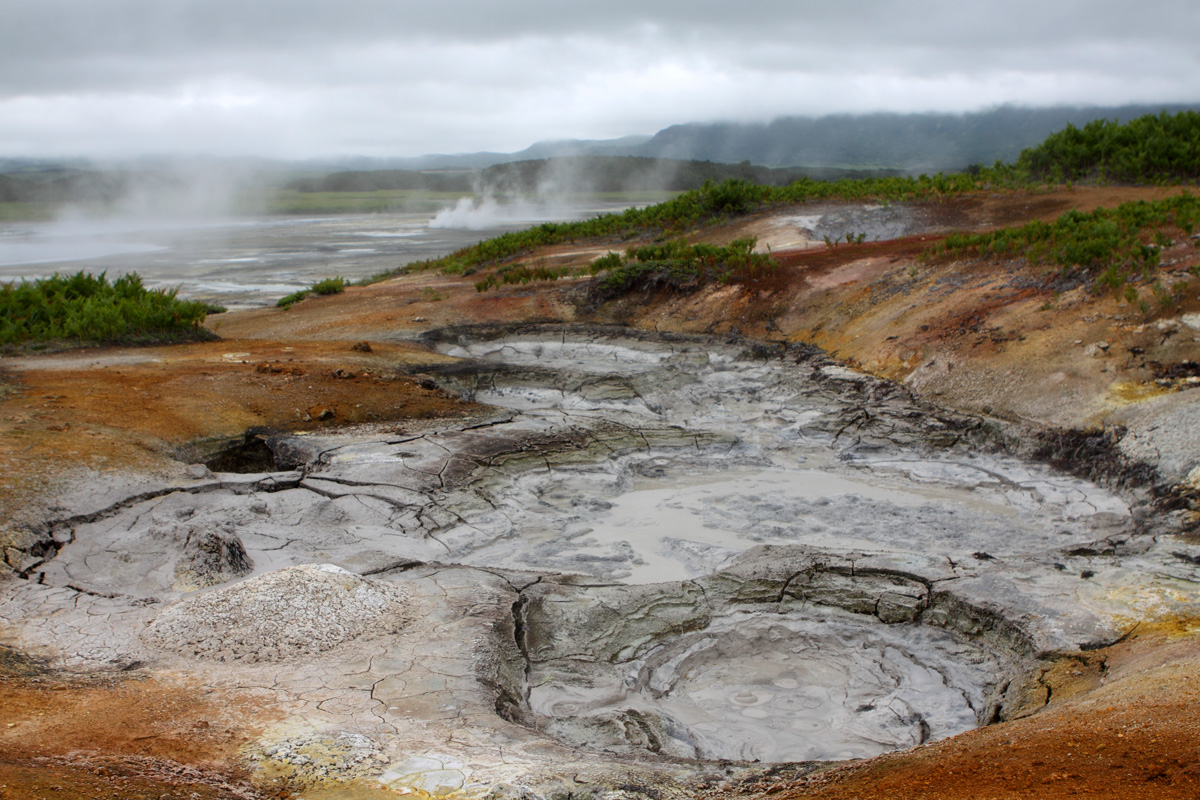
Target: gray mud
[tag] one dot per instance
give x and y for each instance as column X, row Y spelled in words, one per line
column 659, row 551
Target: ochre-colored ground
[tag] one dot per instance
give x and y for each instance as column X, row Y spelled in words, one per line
column 984, row 336
column 139, row 408
column 121, row 736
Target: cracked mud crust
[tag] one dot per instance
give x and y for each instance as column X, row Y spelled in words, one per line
column 578, row 530
column 78, row 414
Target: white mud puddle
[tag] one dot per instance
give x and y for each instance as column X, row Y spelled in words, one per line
column 775, row 468
column 773, row 688
column 693, row 524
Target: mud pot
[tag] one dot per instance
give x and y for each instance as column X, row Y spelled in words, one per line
column 658, row 561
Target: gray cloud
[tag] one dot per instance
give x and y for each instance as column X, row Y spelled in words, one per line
column 380, row 77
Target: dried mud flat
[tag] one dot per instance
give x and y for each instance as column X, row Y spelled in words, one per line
column 605, row 563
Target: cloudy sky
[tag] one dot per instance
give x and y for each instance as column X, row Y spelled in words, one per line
column 301, row 78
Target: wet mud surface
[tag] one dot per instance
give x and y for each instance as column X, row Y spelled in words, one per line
column 656, row 558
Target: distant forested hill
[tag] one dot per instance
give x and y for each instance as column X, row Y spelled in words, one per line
column 633, row 173
column 911, row 142
column 385, row 180
column 63, row 185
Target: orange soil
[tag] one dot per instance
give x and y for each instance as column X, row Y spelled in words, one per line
column 137, row 408
column 122, row 737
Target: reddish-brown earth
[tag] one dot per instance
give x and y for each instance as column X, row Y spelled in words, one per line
column 142, row 408
column 121, row 736
column 991, row 337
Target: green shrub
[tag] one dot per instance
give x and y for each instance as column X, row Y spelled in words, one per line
column 329, row 286
column 287, row 301
column 1114, row 245
column 679, row 265
column 322, row 287
column 1156, row 148
column 88, row 308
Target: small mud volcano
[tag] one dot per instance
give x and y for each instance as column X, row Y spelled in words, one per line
column 782, row 658
column 284, row 615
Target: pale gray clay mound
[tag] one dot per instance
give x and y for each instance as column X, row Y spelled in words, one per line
column 285, row 614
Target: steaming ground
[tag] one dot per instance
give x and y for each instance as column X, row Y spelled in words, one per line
column 494, row 214
column 249, row 262
column 234, row 262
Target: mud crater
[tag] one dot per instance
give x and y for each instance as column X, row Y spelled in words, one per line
column 824, row 465
column 821, row 665
column 656, row 547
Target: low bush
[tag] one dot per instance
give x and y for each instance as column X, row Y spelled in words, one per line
column 90, row 308
column 679, row 265
column 329, row 286
column 1156, row 148
column 325, row 286
column 1112, row 246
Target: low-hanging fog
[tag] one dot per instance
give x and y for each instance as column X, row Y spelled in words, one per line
column 303, row 79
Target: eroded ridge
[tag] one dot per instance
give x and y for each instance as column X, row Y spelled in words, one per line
column 655, row 549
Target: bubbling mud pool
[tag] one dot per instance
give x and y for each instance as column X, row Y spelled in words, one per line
column 664, row 548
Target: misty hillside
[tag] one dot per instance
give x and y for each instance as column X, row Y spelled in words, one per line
column 386, row 180
column 679, row 158
column 882, row 141
column 636, row 173
column 912, row 142
column 908, row 142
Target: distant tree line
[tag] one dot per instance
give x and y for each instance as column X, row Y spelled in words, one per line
column 386, row 180
column 632, row 174
column 568, row 174
column 65, row 186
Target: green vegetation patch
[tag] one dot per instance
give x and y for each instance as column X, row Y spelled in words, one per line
column 521, row 274
column 322, row 287
column 679, row 265
column 1156, row 148
column 1112, row 246
column 709, row 205
column 675, row 264
column 90, row 308
column 17, row 211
